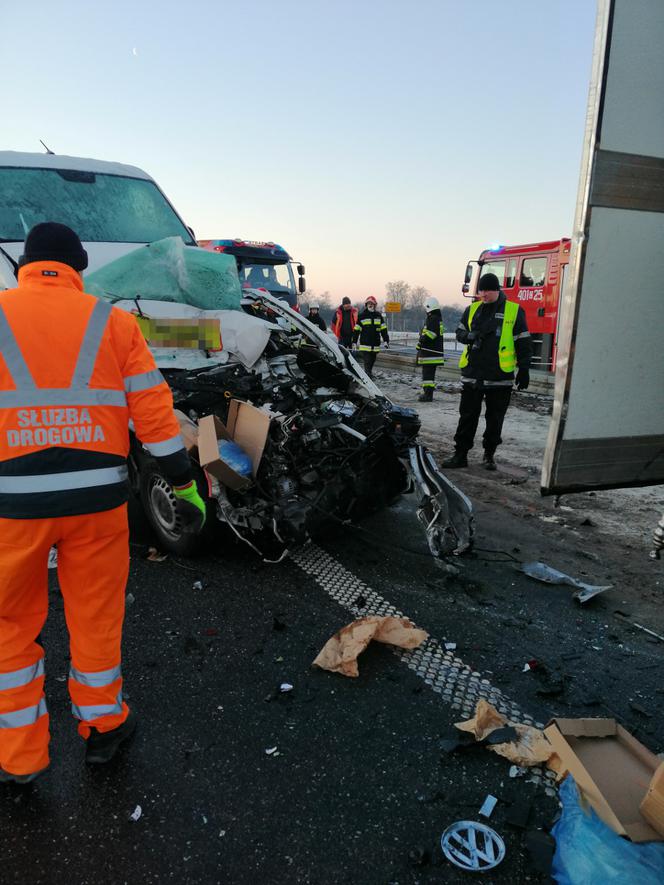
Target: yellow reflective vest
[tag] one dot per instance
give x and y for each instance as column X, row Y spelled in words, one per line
column 506, row 349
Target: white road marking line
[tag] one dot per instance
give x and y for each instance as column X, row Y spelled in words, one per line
column 441, row 670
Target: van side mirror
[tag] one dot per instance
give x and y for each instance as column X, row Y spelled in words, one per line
column 193, row 235
column 465, row 289
column 301, row 284
column 300, row 269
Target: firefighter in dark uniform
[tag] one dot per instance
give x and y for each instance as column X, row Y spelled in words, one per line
column 497, row 341
column 369, row 331
column 430, row 349
column 314, row 317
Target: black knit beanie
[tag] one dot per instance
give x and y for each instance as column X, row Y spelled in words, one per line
column 488, row 283
column 50, row 241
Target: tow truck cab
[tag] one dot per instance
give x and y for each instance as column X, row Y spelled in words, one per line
column 265, row 266
column 533, row 276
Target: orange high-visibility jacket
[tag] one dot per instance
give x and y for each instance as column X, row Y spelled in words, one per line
column 73, row 372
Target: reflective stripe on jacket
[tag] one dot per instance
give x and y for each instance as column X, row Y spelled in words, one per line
column 74, row 371
column 506, row 350
column 430, row 345
column 369, row 330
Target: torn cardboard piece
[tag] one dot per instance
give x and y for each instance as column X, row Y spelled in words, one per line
column 340, row 653
column 531, row 747
column 248, row 427
column 614, row 772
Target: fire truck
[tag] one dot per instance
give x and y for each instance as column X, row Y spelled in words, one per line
column 532, row 275
column 264, row 266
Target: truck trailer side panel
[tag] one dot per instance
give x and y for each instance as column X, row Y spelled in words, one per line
column 607, row 429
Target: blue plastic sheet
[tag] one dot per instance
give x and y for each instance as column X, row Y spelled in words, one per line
column 590, row 853
column 235, row 457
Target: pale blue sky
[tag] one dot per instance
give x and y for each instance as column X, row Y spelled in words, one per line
column 374, row 140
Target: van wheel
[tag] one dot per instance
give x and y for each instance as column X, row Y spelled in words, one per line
column 159, row 503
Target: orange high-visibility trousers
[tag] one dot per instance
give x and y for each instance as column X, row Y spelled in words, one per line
column 93, row 565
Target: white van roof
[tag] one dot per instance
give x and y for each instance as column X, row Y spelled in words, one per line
column 58, row 161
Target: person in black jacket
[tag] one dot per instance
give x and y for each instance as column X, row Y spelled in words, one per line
column 369, row 331
column 314, row 317
column 430, row 349
column 497, row 341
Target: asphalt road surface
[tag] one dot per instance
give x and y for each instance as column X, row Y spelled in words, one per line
column 358, row 789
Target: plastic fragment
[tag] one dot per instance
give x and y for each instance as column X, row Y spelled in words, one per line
column 271, row 751
column 197, row 585
column 53, row 557
column 155, row 556
column 540, row 571
column 488, row 805
column 450, row 646
column 136, row 813
column 285, row 687
column 130, row 599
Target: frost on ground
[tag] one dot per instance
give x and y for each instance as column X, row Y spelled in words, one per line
column 592, row 535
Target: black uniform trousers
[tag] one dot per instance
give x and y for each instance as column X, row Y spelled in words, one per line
column 497, row 400
column 429, row 374
column 369, row 358
column 346, row 340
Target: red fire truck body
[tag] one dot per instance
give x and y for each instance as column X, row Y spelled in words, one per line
column 533, row 276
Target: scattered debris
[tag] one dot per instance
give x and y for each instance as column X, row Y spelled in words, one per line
column 340, row 653
column 155, row 556
column 517, row 771
column 197, row 585
column 419, row 857
column 360, row 602
column 53, row 557
column 530, row 665
column 285, row 687
column 647, row 630
column 488, row 805
column 541, row 846
column 547, row 575
column 272, row 751
column 130, row 599
column 530, row 748
column 136, row 813
column 639, row 709
column 450, row 646
column 472, row 846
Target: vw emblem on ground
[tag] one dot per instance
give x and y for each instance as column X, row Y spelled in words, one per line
column 472, row 846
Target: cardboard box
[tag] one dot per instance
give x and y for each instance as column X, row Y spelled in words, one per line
column 248, row 427
column 611, row 768
column 652, row 807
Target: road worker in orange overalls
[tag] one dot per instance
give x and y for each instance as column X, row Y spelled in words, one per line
column 73, row 372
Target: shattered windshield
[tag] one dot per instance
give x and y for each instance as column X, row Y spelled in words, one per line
column 100, row 208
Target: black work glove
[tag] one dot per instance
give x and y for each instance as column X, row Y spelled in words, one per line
column 472, row 336
column 522, row 379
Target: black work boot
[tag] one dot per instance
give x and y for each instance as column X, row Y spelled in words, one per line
column 102, row 746
column 487, row 461
column 426, row 396
column 458, row 459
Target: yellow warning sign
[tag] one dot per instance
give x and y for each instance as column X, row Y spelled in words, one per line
column 392, row 307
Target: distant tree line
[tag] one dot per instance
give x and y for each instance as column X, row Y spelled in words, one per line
column 411, row 298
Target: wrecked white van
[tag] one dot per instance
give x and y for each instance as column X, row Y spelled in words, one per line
column 329, row 447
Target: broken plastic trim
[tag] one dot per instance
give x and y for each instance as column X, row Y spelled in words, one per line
column 444, row 511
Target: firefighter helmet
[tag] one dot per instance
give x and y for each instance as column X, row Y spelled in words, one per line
column 371, row 300
column 431, row 304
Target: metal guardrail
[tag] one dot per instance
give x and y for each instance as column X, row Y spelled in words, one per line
column 541, row 382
